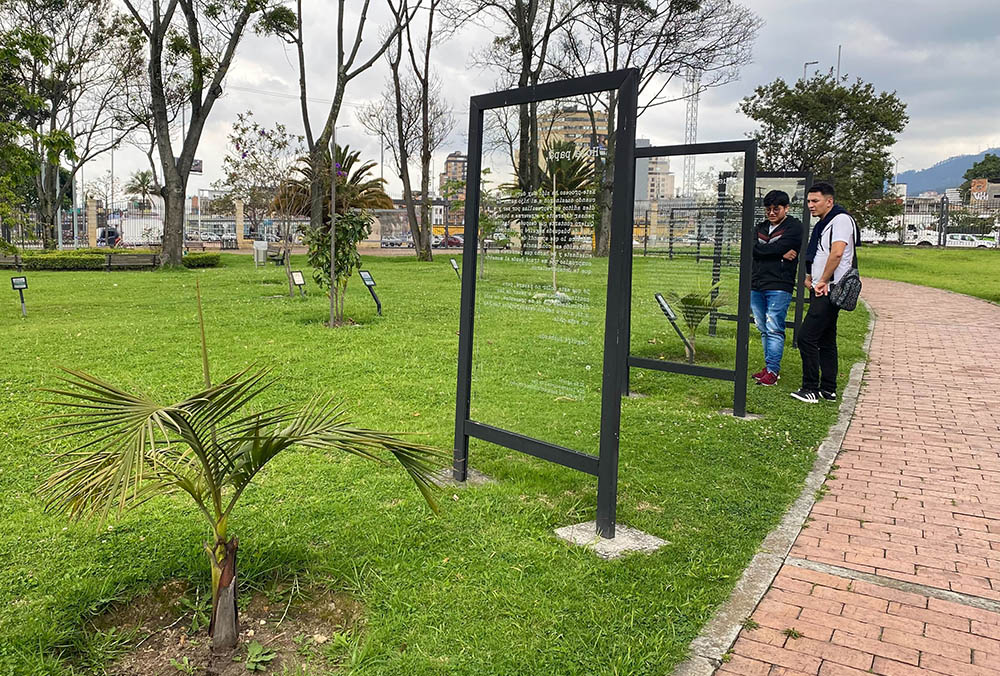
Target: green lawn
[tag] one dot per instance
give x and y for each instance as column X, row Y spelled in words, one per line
column 483, row 588
column 975, row 272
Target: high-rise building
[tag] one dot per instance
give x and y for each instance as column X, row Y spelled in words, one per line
column 660, row 180
column 456, row 168
column 572, row 125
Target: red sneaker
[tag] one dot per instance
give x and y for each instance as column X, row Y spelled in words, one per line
column 759, row 374
column 768, row 378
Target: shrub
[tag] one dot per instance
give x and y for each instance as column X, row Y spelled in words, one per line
column 34, row 261
column 6, row 248
column 201, row 260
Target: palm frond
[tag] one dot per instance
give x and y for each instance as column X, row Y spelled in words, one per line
column 321, row 425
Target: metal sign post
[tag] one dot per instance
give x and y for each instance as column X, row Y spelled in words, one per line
column 19, row 284
column 672, row 318
column 369, row 281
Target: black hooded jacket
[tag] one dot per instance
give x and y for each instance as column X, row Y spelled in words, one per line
column 771, row 272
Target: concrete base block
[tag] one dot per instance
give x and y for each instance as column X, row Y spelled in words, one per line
column 748, row 416
column 625, row 541
column 473, row 478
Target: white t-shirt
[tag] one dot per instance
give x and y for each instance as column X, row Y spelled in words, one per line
column 843, row 231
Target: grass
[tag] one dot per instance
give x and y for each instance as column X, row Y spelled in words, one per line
column 485, row 587
column 975, row 272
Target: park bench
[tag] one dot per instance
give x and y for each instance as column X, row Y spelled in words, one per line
column 131, row 261
column 276, row 253
column 194, row 245
column 11, row 261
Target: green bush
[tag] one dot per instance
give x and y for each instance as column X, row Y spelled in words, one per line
column 37, row 261
column 6, row 248
column 201, row 260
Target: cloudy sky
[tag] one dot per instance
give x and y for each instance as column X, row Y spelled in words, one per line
column 941, row 58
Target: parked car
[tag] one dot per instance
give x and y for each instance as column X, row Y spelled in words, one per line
column 109, row 237
column 210, row 237
column 391, row 241
column 436, row 241
column 969, row 241
column 454, row 241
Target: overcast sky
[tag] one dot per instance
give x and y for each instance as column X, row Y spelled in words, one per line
column 941, row 58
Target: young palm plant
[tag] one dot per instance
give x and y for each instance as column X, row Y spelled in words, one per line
column 209, row 446
column 695, row 305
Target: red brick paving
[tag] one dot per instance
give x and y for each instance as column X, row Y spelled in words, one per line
column 915, row 496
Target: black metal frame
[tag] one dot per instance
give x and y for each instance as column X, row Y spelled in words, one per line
column 800, row 285
column 737, row 375
column 605, row 464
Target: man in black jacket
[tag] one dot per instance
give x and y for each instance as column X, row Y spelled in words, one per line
column 772, row 281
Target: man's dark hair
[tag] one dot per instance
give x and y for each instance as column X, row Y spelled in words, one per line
column 823, row 188
column 776, row 198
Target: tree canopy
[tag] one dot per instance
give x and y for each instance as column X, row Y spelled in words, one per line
column 840, row 132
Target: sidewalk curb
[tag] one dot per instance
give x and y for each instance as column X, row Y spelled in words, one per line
column 719, row 634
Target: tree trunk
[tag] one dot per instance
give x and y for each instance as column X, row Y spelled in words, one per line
column 224, row 627
column 173, row 224
column 602, row 243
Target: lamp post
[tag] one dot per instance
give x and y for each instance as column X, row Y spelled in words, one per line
column 806, row 65
column 333, row 222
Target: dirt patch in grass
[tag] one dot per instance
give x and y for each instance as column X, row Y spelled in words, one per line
column 286, row 629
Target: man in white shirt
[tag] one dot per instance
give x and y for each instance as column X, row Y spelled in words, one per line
column 829, row 256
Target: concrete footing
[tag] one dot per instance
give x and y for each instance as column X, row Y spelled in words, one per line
column 625, row 541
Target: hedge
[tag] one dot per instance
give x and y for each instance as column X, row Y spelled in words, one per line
column 96, row 259
column 200, row 260
column 35, row 261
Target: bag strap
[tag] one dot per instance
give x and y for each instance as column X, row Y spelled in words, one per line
column 854, row 242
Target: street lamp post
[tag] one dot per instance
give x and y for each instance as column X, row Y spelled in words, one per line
column 806, row 65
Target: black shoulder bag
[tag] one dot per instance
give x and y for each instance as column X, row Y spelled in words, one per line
column 844, row 294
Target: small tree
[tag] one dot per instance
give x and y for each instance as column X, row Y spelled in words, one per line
column 694, row 306
column 357, row 195
column 257, row 161
column 210, row 446
column 142, row 186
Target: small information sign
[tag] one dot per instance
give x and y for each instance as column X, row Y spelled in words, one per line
column 454, row 264
column 19, row 284
column 369, row 281
column 297, row 278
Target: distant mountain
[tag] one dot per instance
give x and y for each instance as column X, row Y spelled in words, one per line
column 943, row 175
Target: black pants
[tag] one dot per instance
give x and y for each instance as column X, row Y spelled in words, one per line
column 818, row 345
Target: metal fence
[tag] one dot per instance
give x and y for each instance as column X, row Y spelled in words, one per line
column 938, row 221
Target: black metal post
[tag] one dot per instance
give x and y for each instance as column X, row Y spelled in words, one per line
column 378, row 303
column 747, row 236
column 618, row 308
column 24, row 309
column 460, row 460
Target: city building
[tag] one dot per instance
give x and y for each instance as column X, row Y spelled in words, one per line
column 455, row 169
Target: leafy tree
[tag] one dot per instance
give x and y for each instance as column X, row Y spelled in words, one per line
column 209, row 446
column 257, row 161
column 841, row 132
column 198, row 38
column 988, row 168
column 82, row 75
column 17, row 106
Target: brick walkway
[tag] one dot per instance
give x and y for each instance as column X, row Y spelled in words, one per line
column 897, row 572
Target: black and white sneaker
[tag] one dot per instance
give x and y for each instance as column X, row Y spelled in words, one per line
column 807, row 396
column 829, row 396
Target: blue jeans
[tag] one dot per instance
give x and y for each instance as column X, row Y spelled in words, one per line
column 770, row 308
